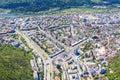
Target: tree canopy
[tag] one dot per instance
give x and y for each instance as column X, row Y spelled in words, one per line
column 42, row 5
column 14, row 64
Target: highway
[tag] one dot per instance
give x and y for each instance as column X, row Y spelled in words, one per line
column 48, row 67
column 46, row 59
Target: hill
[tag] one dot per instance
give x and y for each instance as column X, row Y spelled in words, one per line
column 114, row 65
column 14, row 64
column 43, row 5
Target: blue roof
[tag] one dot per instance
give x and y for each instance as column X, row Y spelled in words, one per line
column 77, row 78
column 85, row 72
column 76, row 52
column 103, row 71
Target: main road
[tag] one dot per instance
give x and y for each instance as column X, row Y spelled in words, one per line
column 42, row 54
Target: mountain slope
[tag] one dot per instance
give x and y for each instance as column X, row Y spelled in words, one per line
column 42, row 5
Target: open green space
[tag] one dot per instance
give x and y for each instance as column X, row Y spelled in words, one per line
column 53, row 6
column 73, row 10
column 16, row 36
column 88, row 10
column 114, row 64
column 14, row 64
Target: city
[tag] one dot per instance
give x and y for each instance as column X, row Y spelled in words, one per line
column 66, row 47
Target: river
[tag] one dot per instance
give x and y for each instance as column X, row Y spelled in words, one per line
column 8, row 15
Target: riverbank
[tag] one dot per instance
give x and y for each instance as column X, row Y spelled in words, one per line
column 59, row 12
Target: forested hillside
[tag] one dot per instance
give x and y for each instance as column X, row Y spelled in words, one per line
column 14, row 64
column 42, row 5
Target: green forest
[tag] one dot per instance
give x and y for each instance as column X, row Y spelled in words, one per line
column 114, row 64
column 14, row 64
column 43, row 5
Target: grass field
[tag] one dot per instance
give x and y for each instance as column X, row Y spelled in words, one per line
column 88, row 10
column 73, row 10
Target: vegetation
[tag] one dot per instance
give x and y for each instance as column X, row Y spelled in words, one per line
column 41, row 74
column 87, row 10
column 14, row 64
column 4, row 10
column 16, row 36
column 88, row 46
column 43, row 5
column 114, row 64
column 25, row 43
column 58, row 75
